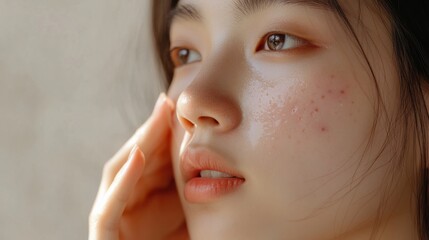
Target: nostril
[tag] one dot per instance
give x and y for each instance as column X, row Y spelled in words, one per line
column 208, row 120
column 202, row 121
column 186, row 123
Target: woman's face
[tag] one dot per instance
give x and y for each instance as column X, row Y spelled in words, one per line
column 277, row 95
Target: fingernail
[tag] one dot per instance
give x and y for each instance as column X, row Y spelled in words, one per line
column 161, row 99
column 133, row 151
column 127, row 164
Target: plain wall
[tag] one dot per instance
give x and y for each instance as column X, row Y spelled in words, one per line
column 76, row 79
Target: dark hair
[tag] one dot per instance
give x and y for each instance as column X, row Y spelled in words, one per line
column 410, row 38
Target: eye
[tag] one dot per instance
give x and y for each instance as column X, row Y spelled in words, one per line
column 181, row 56
column 281, row 41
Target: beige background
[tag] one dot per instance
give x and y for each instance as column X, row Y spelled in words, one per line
column 73, row 76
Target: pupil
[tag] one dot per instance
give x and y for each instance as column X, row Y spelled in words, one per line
column 183, row 56
column 276, row 41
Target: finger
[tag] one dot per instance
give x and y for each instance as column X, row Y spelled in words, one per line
column 152, row 134
column 147, row 184
column 106, row 215
column 161, row 213
column 153, row 131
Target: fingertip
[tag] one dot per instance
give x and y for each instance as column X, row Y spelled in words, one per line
column 160, row 109
column 163, row 99
column 171, row 107
column 160, row 101
column 170, row 103
column 164, row 110
column 154, row 131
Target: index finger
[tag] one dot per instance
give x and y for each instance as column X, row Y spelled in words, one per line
column 149, row 137
column 153, row 132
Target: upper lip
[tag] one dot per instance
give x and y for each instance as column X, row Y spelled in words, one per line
column 195, row 159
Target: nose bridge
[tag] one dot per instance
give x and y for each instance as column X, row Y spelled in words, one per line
column 211, row 98
column 225, row 67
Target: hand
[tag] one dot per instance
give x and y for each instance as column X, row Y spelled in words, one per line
column 137, row 198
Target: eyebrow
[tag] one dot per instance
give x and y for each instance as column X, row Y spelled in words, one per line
column 185, row 12
column 242, row 8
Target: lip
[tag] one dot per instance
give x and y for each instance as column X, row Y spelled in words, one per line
column 202, row 190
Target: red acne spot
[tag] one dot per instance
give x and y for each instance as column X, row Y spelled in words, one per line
column 329, row 91
column 323, row 129
column 316, row 109
column 342, row 92
column 323, row 97
column 312, row 101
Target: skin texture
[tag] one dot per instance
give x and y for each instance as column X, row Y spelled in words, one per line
column 295, row 123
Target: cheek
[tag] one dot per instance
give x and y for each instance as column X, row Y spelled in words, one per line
column 298, row 110
column 302, row 130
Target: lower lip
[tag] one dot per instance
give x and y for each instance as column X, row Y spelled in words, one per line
column 203, row 190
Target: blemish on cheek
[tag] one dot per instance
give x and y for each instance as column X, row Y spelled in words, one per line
column 294, row 110
column 335, row 94
column 323, row 129
column 315, row 111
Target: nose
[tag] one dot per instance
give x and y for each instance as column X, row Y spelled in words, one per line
column 202, row 106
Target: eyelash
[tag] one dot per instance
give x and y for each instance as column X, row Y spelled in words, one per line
column 266, row 42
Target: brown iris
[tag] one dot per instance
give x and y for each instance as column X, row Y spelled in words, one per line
column 276, row 41
column 180, row 56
